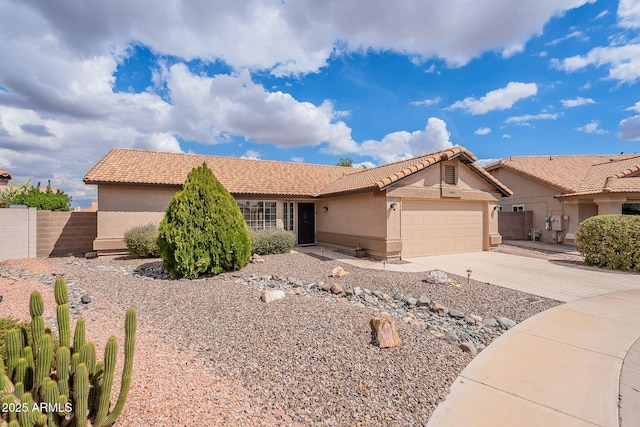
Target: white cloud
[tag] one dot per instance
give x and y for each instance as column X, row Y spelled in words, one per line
column 577, row 102
column 635, row 107
column 485, row 162
column 251, row 154
column 623, row 62
column 629, row 13
column 499, row 99
column 630, row 129
column 427, row 102
column 506, row 136
column 592, row 127
column 573, row 35
column 403, row 145
column 526, row 118
column 482, row 131
column 364, row 165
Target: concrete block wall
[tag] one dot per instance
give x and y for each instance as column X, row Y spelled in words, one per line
column 17, row 233
column 63, row 233
column 515, row 225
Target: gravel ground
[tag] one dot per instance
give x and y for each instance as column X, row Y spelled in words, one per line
column 308, row 358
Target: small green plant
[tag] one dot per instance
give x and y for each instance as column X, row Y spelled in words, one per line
column 42, row 386
column 610, row 241
column 272, row 241
column 8, row 193
column 203, row 231
column 142, row 241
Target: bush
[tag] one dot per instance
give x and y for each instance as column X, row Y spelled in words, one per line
column 610, row 241
column 272, row 241
column 45, row 200
column 203, row 231
column 142, row 241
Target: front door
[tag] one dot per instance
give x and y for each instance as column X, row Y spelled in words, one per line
column 306, row 223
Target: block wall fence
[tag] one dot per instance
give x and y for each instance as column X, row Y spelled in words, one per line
column 28, row 233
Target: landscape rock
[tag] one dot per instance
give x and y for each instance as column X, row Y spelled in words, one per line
column 357, row 291
column 272, row 295
column 424, row 301
column 468, row 347
column 490, row 322
column 338, row 272
column 337, row 288
column 456, row 313
column 385, row 332
column 412, row 302
column 437, row 277
column 86, row 298
column 437, row 308
column 324, row 286
column 91, row 255
column 506, row 323
column 256, row 259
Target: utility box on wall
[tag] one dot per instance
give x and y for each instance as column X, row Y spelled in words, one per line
column 557, row 223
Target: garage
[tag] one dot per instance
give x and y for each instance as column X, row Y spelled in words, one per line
column 439, row 228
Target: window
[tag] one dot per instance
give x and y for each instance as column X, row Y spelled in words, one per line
column 631, row 208
column 450, row 174
column 288, row 216
column 517, row 208
column 258, row 215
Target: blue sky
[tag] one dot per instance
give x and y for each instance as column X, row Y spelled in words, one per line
column 313, row 81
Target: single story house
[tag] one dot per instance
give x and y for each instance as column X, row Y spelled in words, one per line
column 438, row 203
column 5, row 177
column 563, row 191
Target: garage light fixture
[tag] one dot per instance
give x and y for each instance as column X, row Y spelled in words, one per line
column 393, row 205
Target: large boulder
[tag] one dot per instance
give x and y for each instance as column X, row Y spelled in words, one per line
column 385, row 332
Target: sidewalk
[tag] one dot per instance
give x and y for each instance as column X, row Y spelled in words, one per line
column 562, row 367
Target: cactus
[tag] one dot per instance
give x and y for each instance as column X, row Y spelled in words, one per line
column 79, row 336
column 38, row 373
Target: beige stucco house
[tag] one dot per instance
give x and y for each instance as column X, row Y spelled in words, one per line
column 438, row 203
column 562, row 191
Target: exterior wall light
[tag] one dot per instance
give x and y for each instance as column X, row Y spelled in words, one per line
column 326, row 208
column 393, row 205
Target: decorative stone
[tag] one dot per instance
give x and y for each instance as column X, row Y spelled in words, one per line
column 476, row 318
column 398, row 296
column 337, row 289
column 256, row 259
column 324, row 286
column 348, row 291
column 412, row 302
column 456, row 313
column 437, row 277
column 424, row 301
column 357, row 291
column 437, row 308
column 91, row 255
column 490, row 322
column 370, row 300
column 468, row 347
column 385, row 333
column 506, row 323
column 338, row 272
column 86, row 299
column 272, row 295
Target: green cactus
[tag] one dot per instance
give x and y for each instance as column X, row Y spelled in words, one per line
column 55, row 378
column 81, row 395
column 15, row 346
column 79, row 336
column 62, row 370
column 60, row 291
column 63, row 325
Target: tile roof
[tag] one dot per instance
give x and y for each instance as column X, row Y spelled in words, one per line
column 383, row 176
column 239, row 176
column 264, row 177
column 4, row 174
column 578, row 174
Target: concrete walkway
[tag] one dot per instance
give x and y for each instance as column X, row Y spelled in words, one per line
column 561, row 367
column 577, row 364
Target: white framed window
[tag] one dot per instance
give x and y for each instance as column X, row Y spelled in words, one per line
column 517, row 208
column 288, row 216
column 259, row 215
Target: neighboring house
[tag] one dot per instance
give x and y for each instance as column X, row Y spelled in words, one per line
column 5, row 177
column 433, row 204
column 562, row 191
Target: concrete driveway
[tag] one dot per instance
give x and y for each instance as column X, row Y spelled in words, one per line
column 555, row 279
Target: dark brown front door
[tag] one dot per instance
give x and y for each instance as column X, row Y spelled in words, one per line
column 306, row 223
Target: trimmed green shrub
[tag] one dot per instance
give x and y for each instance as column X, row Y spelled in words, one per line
column 610, row 241
column 203, row 231
column 272, row 241
column 142, row 241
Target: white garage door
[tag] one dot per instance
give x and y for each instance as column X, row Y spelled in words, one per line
column 438, row 228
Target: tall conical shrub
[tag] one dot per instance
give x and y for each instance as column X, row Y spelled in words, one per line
column 203, row 231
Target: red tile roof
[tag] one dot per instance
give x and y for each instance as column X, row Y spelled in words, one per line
column 4, row 174
column 239, row 176
column 383, row 176
column 578, row 174
column 264, row 177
